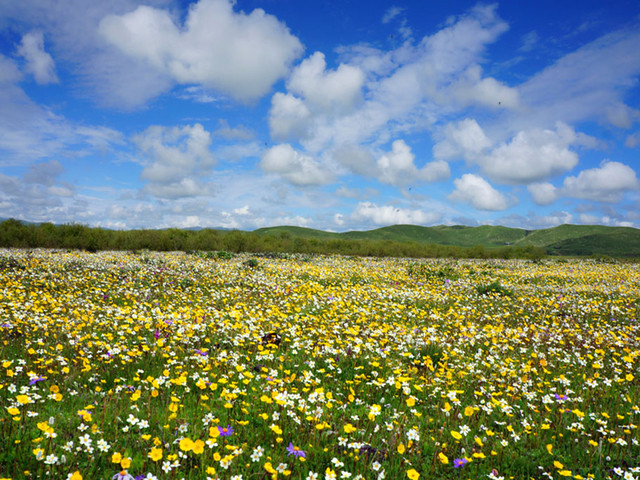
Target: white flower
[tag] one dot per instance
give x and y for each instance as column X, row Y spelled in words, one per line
column 257, row 453
column 376, row 466
column 312, row 476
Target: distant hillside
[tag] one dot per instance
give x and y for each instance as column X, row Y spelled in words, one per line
column 560, row 240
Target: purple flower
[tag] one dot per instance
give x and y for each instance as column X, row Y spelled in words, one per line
column 123, row 475
column 225, row 432
column 34, row 380
column 295, row 451
column 561, row 397
column 459, row 462
column 156, row 334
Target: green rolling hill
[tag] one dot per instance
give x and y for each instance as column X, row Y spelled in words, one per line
column 560, row 240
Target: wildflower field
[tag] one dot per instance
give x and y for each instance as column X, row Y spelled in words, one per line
column 172, row 366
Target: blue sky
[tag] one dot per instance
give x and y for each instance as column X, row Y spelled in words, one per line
column 336, row 115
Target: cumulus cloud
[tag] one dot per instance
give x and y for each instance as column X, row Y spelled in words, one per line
column 233, row 52
column 475, row 190
column 472, row 89
column 336, row 90
column 397, row 167
column 296, row 167
column 388, row 215
column 175, row 159
column 532, row 156
column 543, row 193
column 385, row 93
column 606, row 183
column 357, row 159
column 288, row 117
column 38, row 62
column 463, row 139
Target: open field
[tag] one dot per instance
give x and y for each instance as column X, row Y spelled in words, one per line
column 187, row 366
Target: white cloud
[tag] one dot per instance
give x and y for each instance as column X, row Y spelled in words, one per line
column 532, row 156
column 296, row 167
column 39, row 63
column 328, row 91
column 604, row 184
column 543, row 193
column 242, row 211
column 43, row 173
column 29, row 131
column 475, row 190
column 389, row 215
column 176, row 159
column 464, row 139
column 406, row 89
column 585, row 84
column 633, row 140
column 472, row 89
column 101, row 73
column 233, row 52
column 397, row 168
column 288, row 117
column 356, row 158
column 529, row 41
column 391, row 13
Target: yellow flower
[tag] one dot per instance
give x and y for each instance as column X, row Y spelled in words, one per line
column 13, row 411
column 468, row 411
column 269, row 468
column 116, row 458
column 276, row 429
column 186, row 444
column 211, row 471
column 443, row 458
column 565, row 473
column 198, row 447
column 456, row 435
column 125, row 463
column 550, row 447
column 22, row 399
column 401, row 448
column 155, row 454
column 413, row 474
column 557, row 464
column 76, row 475
column 411, row 402
column 214, row 432
column 348, row 428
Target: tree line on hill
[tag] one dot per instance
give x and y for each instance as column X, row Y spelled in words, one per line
column 16, row 234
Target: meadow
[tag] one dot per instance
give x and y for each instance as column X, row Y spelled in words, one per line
column 126, row 366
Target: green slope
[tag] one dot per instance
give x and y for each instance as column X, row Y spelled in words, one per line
column 289, row 231
column 561, row 233
column 561, row 240
column 458, row 235
column 622, row 242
